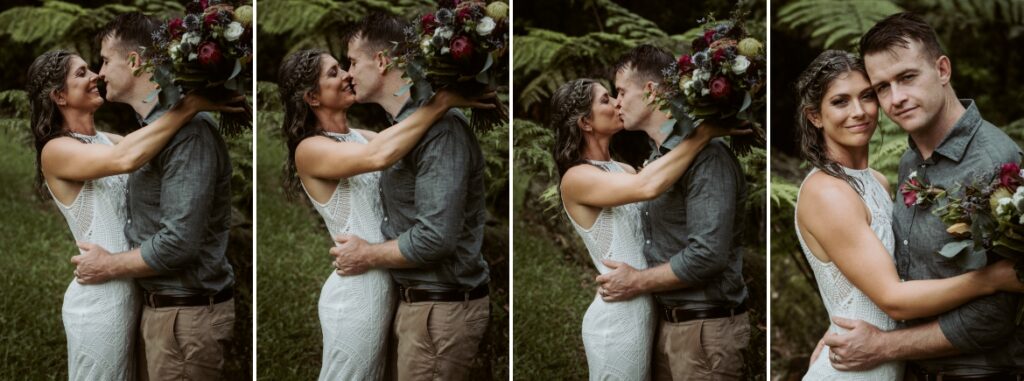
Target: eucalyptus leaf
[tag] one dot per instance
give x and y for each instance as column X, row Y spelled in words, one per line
column 954, row 248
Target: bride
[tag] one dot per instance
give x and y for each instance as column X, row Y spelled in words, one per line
column 85, row 172
column 843, row 218
column 602, row 200
column 337, row 167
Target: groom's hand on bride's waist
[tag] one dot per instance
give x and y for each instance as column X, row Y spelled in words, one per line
column 622, row 283
column 351, row 255
column 858, row 348
column 92, row 266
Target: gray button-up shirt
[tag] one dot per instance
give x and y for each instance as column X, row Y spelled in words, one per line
column 433, row 202
column 179, row 211
column 693, row 227
column 983, row 329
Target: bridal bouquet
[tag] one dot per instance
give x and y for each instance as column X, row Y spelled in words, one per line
column 210, row 50
column 987, row 216
column 460, row 45
column 723, row 78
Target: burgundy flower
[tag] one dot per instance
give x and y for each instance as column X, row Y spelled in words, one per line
column 718, row 56
column 464, row 14
column 720, row 88
column 699, row 44
column 1008, row 175
column 685, row 63
column 909, row 195
column 429, row 23
column 209, row 54
column 176, row 27
column 211, row 19
column 709, row 35
column 462, row 48
column 204, row 3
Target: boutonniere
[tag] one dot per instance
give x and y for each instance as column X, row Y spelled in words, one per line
column 916, row 191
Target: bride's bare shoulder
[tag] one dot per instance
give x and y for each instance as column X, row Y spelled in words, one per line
column 821, row 191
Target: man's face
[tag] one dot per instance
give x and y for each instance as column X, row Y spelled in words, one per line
column 117, row 69
column 910, row 85
column 367, row 79
column 633, row 108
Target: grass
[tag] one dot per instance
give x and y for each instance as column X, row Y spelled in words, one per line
column 551, row 297
column 37, row 248
column 294, row 263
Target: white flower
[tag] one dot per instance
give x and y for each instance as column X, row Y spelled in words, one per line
column 485, row 26
column 913, row 175
column 444, row 33
column 191, row 38
column 425, row 45
column 688, row 88
column 705, row 92
column 233, row 31
column 193, row 57
column 1018, row 199
column 175, row 51
column 740, row 65
column 444, row 50
column 1003, row 202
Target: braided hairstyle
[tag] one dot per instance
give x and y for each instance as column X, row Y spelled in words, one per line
column 811, row 87
column 47, row 75
column 297, row 76
column 570, row 104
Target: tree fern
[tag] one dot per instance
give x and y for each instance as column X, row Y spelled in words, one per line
column 784, row 192
column 320, row 23
column 838, row 23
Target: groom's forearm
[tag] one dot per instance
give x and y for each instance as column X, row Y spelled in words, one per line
column 918, row 342
column 660, row 278
column 388, row 255
column 130, row 264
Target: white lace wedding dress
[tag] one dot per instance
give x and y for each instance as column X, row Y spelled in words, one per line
column 100, row 319
column 355, row 311
column 618, row 336
column 842, row 298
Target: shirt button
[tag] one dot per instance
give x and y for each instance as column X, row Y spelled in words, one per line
column 905, row 242
column 645, row 213
column 922, row 165
column 385, row 218
column 648, row 242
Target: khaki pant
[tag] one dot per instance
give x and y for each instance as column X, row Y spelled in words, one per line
column 185, row 343
column 708, row 349
column 437, row 340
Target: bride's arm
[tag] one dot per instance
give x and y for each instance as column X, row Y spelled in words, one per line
column 328, row 159
column 588, row 185
column 834, row 215
column 68, row 159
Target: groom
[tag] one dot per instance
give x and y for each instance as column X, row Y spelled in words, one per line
column 950, row 144
column 433, row 219
column 178, row 220
column 690, row 242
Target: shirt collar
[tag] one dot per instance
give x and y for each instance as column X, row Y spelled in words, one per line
column 154, row 114
column 675, row 136
column 954, row 145
column 407, row 109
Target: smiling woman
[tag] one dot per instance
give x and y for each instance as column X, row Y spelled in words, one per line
column 148, row 207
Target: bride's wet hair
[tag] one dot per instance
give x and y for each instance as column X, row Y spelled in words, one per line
column 570, row 104
column 811, row 87
column 46, row 76
column 298, row 75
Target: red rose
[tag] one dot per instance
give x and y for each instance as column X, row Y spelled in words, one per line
column 464, row 14
column 718, row 56
column 209, row 54
column 429, row 23
column 709, row 35
column 909, row 196
column 176, row 27
column 685, row 63
column 211, row 19
column 462, row 48
column 720, row 88
column 1008, row 175
column 204, row 3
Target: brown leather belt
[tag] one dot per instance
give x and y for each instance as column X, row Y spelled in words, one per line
column 679, row 314
column 924, row 375
column 412, row 295
column 157, row 301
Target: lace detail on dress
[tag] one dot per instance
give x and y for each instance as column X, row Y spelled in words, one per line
column 841, row 298
column 355, row 311
column 100, row 320
column 618, row 337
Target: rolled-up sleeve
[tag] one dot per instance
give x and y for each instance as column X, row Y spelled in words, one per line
column 441, row 185
column 983, row 324
column 711, row 188
column 188, row 183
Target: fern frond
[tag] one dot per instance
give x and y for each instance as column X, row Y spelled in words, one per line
column 784, row 193
column 839, row 23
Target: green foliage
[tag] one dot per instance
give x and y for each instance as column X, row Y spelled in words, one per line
column 838, row 23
